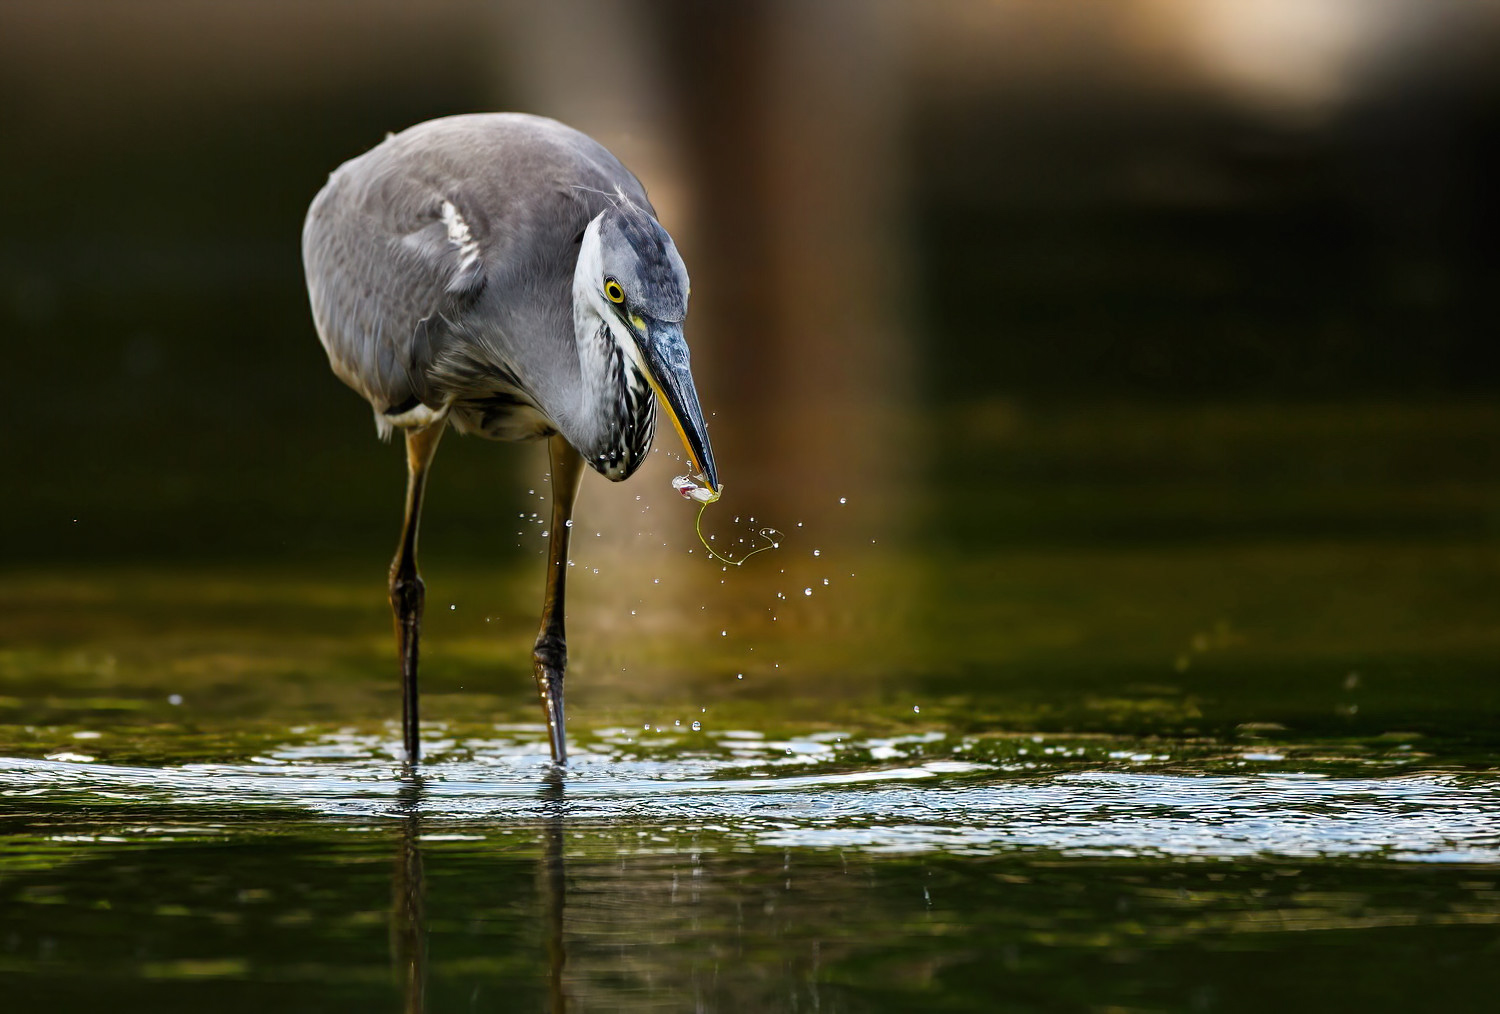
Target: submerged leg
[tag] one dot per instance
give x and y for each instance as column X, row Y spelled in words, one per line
column 551, row 654
column 407, row 594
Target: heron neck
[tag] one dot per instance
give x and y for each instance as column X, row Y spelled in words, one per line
column 588, row 420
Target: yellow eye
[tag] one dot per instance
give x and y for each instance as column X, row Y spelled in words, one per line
column 613, row 291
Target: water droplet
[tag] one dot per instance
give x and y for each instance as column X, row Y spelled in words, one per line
column 174, row 699
column 817, row 552
column 568, row 523
column 806, row 591
column 697, row 726
column 917, row 708
column 453, row 606
column 825, row 580
column 739, row 675
column 723, row 633
column 843, row 499
column 678, row 722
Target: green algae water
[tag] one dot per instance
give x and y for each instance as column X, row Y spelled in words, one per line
column 1184, row 710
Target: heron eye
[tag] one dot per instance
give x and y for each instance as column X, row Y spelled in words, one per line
column 613, row 291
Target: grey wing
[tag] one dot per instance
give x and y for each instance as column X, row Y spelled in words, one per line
column 391, row 261
column 448, row 251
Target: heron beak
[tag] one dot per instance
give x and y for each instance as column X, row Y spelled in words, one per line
column 666, row 354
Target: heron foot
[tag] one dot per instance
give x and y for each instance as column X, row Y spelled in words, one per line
column 550, row 663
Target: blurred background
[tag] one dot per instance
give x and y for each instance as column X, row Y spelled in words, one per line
column 1118, row 373
column 1086, row 334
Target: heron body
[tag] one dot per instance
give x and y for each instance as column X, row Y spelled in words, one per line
column 505, row 274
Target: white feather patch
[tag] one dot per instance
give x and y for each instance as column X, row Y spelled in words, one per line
column 460, row 236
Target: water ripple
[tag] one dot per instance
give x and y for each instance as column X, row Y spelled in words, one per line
column 949, row 806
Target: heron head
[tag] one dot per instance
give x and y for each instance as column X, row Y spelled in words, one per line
column 634, row 280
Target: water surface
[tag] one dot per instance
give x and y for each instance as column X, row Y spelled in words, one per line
column 1223, row 740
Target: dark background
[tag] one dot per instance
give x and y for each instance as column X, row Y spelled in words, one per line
column 903, row 220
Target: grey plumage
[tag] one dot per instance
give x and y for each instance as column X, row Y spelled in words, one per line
column 408, row 316
column 507, row 274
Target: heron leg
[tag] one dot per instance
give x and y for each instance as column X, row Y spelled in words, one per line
column 551, row 653
column 407, row 591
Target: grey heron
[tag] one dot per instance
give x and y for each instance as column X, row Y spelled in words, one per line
column 505, row 274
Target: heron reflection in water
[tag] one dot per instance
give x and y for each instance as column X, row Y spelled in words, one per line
column 409, row 897
column 506, row 274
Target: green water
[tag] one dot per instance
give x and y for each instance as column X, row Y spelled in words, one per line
column 1126, row 709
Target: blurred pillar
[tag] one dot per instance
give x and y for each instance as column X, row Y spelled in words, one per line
column 769, row 135
column 791, row 121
